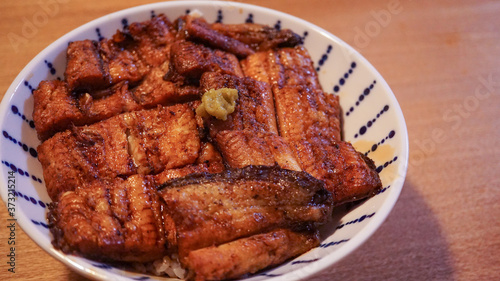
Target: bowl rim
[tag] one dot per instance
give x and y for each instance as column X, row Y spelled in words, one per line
column 311, row 269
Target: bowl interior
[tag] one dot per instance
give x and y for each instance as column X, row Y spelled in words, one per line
column 373, row 122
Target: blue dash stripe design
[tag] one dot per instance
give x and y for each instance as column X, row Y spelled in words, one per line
column 50, row 66
column 304, row 35
column 376, row 145
column 220, row 17
column 304, row 261
column 99, row 35
column 103, row 266
column 344, row 77
column 21, row 171
column 361, row 97
column 383, row 189
column 31, row 199
column 330, row 244
column 249, row 18
column 29, row 86
column 26, row 148
column 277, row 25
column 324, row 57
column 364, row 128
column 381, row 167
column 358, row 220
column 124, row 23
column 16, row 111
column 40, row 223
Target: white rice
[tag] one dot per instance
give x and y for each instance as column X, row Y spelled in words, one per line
column 169, row 266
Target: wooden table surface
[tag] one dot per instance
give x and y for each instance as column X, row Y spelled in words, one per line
column 441, row 59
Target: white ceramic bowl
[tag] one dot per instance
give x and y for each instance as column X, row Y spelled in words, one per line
column 373, row 122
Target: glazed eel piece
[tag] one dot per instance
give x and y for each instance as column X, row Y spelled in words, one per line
column 210, row 210
column 139, row 142
column 249, row 136
column 309, row 121
column 239, row 39
column 249, row 254
column 138, row 68
column 116, row 220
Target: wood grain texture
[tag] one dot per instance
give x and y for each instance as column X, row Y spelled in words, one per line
column 441, row 59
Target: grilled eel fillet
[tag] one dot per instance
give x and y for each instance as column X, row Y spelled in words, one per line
column 190, row 60
column 125, row 74
column 197, row 29
column 254, row 108
column 249, row 135
column 246, row 147
column 113, row 219
column 209, row 161
column 128, row 56
column 118, row 220
column 257, row 36
column 249, row 254
column 139, row 142
column 214, row 209
column 309, row 121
